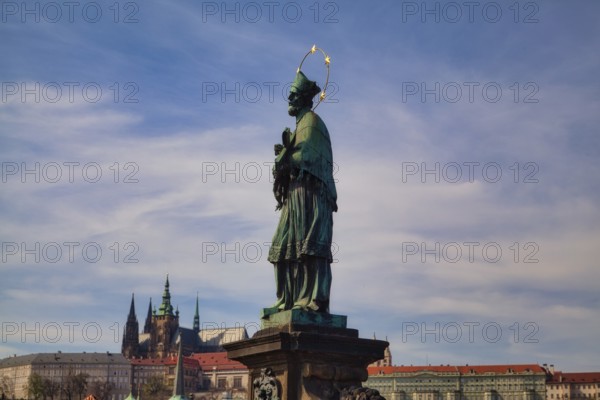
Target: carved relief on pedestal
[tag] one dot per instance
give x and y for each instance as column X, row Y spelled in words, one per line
column 324, row 381
column 266, row 386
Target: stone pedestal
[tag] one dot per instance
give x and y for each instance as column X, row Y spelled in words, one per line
column 311, row 356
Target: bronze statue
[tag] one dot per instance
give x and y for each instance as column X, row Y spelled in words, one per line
column 306, row 195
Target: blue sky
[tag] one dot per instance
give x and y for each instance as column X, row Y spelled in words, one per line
column 464, row 138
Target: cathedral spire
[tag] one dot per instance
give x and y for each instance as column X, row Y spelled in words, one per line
column 148, row 323
column 129, row 346
column 131, row 315
column 166, row 308
column 196, row 326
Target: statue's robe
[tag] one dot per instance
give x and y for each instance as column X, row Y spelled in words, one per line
column 301, row 246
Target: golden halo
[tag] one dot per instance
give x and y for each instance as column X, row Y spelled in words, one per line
column 327, row 62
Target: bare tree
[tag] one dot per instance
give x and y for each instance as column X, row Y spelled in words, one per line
column 7, row 387
column 51, row 388
column 75, row 384
column 155, row 388
column 101, row 389
column 35, row 386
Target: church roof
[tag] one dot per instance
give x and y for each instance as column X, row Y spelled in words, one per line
column 218, row 336
column 188, row 336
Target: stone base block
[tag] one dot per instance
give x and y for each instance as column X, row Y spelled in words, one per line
column 301, row 361
column 296, row 318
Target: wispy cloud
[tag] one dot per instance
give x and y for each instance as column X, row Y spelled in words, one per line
column 185, row 185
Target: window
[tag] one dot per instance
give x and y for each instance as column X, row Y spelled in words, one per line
column 237, row 382
column 221, row 383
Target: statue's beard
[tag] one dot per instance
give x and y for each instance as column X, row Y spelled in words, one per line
column 293, row 110
column 295, row 107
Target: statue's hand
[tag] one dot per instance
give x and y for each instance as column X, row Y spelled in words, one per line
column 285, row 136
column 280, row 185
column 278, row 148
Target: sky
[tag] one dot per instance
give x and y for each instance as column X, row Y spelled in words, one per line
column 136, row 141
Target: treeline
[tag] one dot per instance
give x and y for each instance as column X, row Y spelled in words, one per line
column 77, row 387
column 73, row 387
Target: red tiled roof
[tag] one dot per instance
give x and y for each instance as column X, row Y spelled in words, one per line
column 218, row 360
column 189, row 361
column 556, row 377
column 575, row 377
column 462, row 369
column 501, row 369
column 410, row 369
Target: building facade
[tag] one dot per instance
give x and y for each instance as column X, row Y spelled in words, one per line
column 477, row 382
column 206, row 376
column 145, row 369
column 573, row 385
column 222, row 378
column 59, row 367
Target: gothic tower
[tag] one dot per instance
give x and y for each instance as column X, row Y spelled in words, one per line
column 196, row 326
column 148, row 323
column 129, row 347
column 165, row 324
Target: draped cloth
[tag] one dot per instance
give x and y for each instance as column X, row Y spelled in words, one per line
column 301, row 246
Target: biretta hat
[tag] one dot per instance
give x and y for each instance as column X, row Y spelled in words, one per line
column 304, row 85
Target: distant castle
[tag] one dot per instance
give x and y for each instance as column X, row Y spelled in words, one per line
column 162, row 333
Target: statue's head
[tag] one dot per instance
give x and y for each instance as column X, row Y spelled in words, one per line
column 302, row 92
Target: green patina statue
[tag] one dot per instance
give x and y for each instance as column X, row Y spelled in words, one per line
column 305, row 192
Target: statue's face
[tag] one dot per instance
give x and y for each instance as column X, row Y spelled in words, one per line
column 295, row 103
